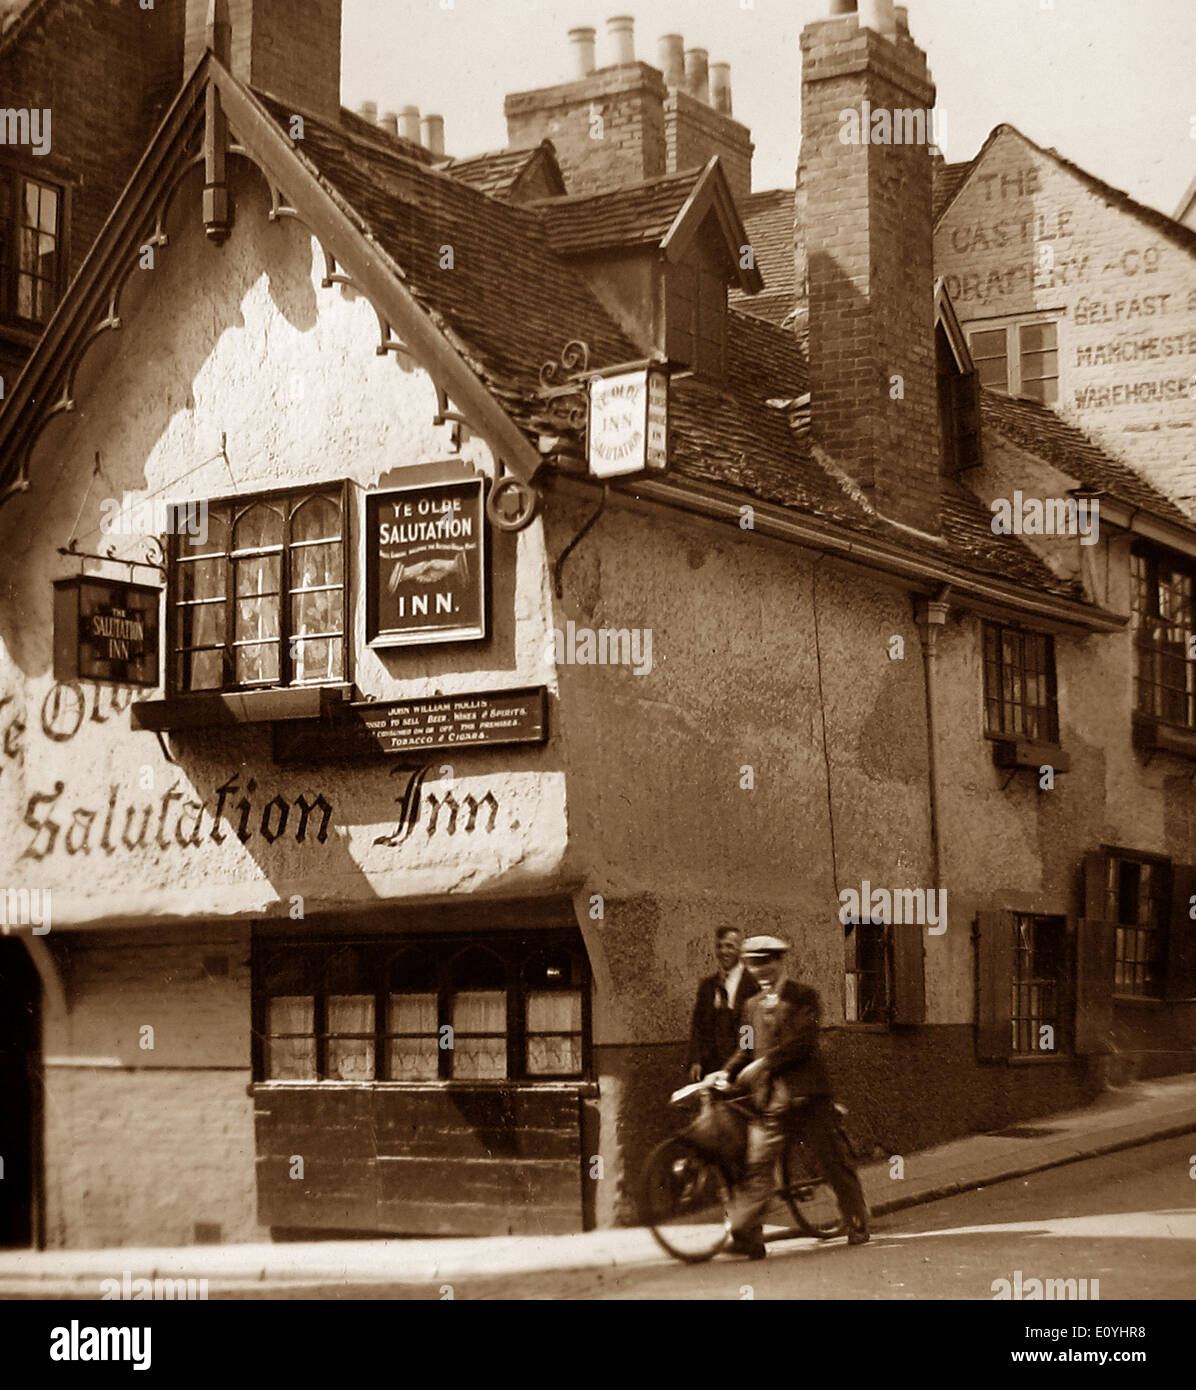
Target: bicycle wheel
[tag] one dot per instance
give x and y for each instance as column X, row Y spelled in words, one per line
column 685, row 1199
column 808, row 1195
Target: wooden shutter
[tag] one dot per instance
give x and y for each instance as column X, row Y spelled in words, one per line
column 1095, row 950
column 994, row 978
column 1096, row 871
column 1180, row 980
column 909, row 974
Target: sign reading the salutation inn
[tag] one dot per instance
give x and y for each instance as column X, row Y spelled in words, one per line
column 426, row 563
column 105, row 630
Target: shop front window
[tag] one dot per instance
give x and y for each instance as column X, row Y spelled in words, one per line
column 553, row 1036
column 514, row 1007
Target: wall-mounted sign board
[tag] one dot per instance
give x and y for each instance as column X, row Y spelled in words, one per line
column 426, row 564
column 106, row 631
column 372, row 728
column 628, row 423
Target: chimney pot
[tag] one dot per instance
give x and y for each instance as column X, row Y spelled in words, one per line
column 368, row 111
column 389, row 122
column 902, row 13
column 842, row 7
column 672, row 59
column 433, row 127
column 697, row 74
column 409, row 124
column 878, row 15
column 583, row 49
column 720, row 87
column 622, row 35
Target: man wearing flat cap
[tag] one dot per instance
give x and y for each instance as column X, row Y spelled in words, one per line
column 783, row 1065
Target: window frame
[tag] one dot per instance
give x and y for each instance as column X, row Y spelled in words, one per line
column 1157, row 932
column 1145, row 563
column 240, row 504
column 1058, row 983
column 16, row 170
column 996, row 935
column 515, row 949
column 881, row 943
column 1004, row 735
column 1012, row 327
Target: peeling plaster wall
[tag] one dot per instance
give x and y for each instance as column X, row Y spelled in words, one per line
column 241, row 343
column 674, row 847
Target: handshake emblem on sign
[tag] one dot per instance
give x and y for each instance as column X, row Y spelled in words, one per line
column 429, row 571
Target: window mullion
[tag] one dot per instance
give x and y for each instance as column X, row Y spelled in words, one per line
column 285, row 663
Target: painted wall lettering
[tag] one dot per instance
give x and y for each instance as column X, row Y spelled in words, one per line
column 175, row 821
column 444, row 811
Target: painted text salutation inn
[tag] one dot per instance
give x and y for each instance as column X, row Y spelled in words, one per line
column 440, row 592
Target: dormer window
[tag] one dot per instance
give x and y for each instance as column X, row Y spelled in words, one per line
column 696, row 312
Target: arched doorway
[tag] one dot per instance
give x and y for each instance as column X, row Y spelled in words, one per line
column 20, row 1094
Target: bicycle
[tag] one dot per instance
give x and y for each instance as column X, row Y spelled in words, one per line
column 686, row 1181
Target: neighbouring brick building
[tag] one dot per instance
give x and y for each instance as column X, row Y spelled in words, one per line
column 106, row 71
column 276, row 883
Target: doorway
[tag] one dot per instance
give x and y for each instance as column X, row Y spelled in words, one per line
column 20, row 1094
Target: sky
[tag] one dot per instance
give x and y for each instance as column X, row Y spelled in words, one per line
column 1111, row 84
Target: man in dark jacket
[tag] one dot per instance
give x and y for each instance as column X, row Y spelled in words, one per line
column 781, row 1064
column 714, row 1031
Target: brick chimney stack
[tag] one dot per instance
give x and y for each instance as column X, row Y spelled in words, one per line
column 626, row 121
column 290, row 51
column 864, row 213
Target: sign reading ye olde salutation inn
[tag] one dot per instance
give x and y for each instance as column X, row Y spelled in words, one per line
column 426, row 564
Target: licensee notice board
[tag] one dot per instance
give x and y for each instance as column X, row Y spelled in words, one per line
column 370, row 729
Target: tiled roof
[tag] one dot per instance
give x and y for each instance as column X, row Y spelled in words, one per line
column 511, row 302
column 1039, row 430
column 947, row 178
column 769, row 218
column 367, row 130
column 640, row 215
column 729, row 433
column 495, row 173
column 968, row 524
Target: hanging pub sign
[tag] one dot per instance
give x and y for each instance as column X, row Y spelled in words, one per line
column 426, row 564
column 106, row 631
column 628, row 423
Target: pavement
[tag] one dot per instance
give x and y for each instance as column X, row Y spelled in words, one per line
column 1119, row 1119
